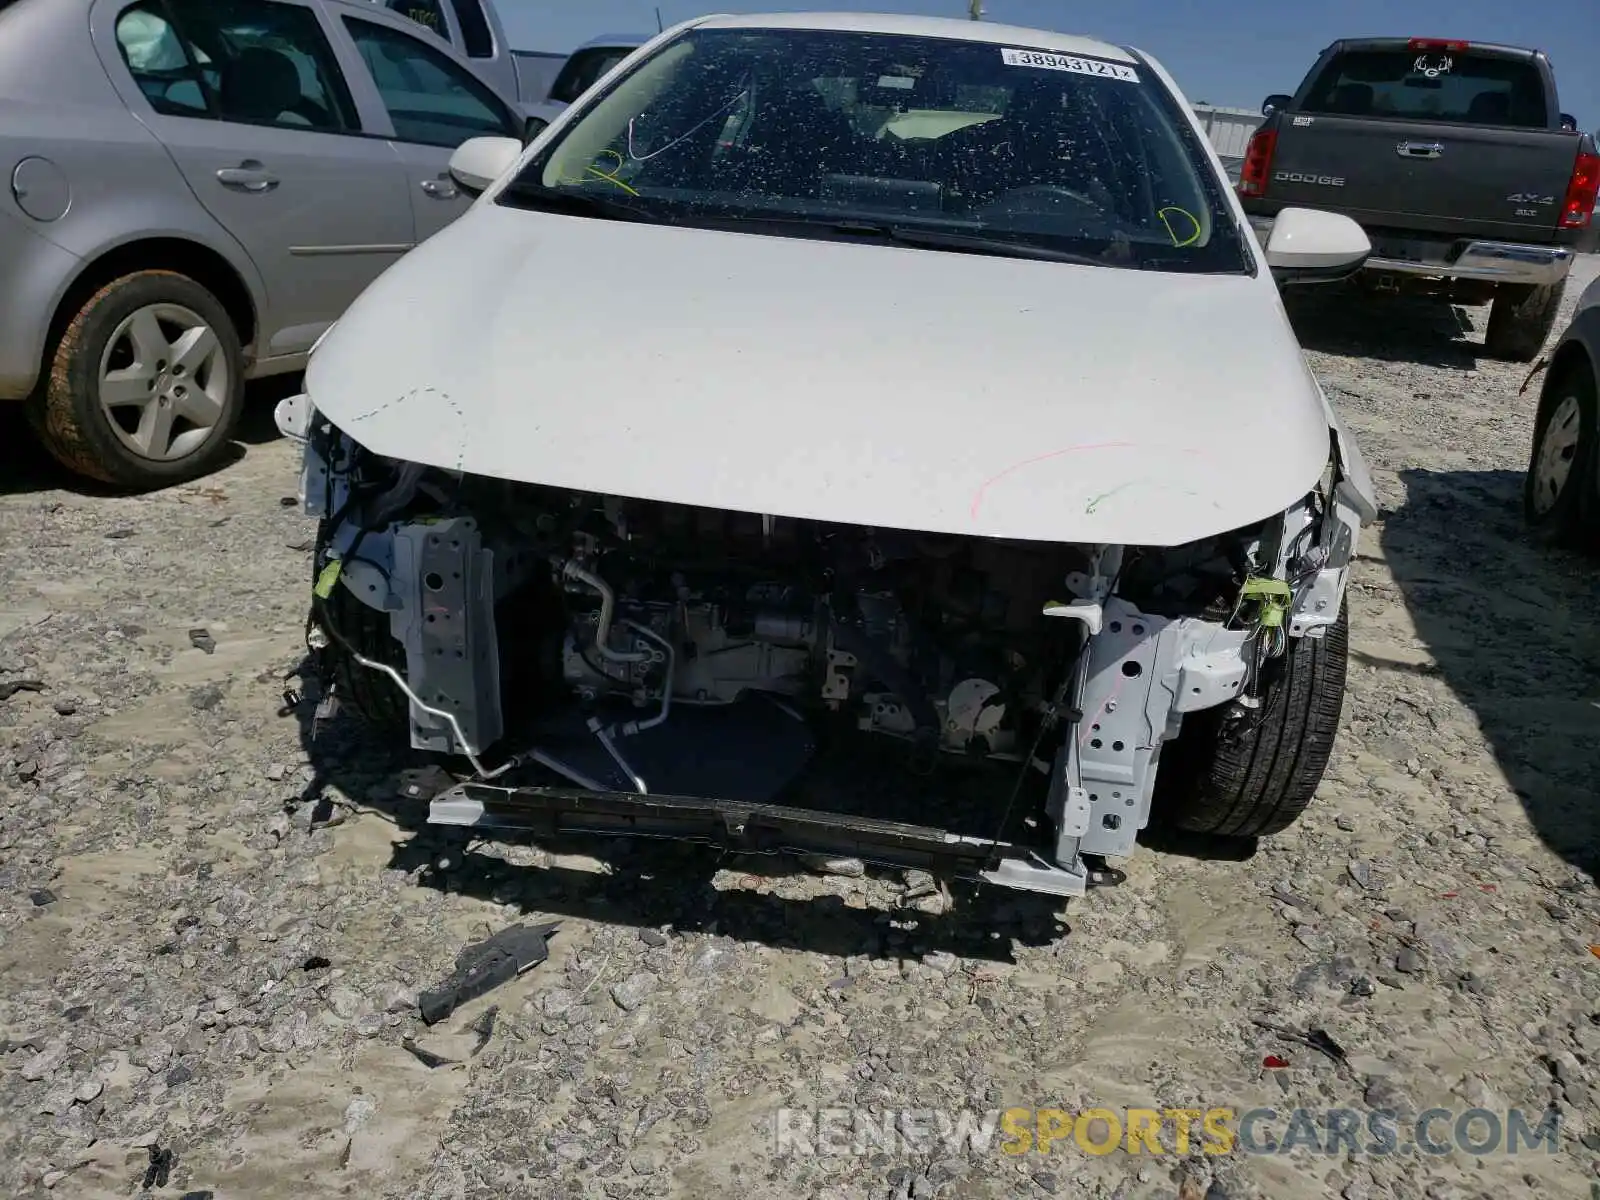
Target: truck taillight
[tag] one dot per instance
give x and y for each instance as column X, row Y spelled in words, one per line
column 1423, row 45
column 1257, row 163
column 1582, row 190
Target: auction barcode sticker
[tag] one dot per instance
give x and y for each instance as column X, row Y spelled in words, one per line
column 1068, row 62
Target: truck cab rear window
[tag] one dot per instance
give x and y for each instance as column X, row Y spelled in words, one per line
column 1408, row 85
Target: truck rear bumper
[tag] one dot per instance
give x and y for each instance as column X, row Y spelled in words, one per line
column 1490, row 262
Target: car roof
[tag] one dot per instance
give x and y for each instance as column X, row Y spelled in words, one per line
column 939, row 27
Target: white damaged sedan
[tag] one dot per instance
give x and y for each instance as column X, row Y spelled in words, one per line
column 850, row 435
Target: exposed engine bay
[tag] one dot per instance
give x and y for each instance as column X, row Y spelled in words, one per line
column 620, row 664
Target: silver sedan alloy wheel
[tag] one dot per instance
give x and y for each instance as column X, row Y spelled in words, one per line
column 164, row 382
column 1557, row 449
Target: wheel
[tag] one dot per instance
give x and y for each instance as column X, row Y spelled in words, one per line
column 1520, row 319
column 1250, row 773
column 145, row 386
column 1561, row 494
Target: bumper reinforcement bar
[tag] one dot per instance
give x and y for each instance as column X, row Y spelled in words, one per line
column 744, row 827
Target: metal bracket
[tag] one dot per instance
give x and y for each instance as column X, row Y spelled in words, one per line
column 1099, row 875
column 445, row 577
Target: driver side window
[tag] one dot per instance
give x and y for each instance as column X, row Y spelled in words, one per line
column 259, row 62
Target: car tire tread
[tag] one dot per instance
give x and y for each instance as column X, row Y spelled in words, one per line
column 1520, row 319
column 1574, row 519
column 1239, row 773
column 64, row 410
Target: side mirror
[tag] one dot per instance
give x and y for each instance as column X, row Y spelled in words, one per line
column 1307, row 245
column 534, row 127
column 1275, row 101
column 1569, row 122
column 479, row 161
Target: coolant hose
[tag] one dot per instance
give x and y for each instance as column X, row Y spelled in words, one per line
column 608, row 608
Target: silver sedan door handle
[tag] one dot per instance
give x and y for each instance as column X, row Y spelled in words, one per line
column 248, row 176
column 441, row 188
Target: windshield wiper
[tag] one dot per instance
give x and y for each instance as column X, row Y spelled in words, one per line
column 522, row 194
column 941, row 239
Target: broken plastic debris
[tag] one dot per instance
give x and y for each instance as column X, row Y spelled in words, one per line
column 8, row 690
column 483, row 966
column 161, row 1163
column 426, row 1057
column 1317, row 1039
column 484, row 1028
column 1273, row 1063
column 201, row 639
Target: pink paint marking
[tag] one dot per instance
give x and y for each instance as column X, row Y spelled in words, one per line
column 977, row 497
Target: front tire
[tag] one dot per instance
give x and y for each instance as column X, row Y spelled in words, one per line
column 1520, row 319
column 145, row 386
column 1240, row 773
column 1561, row 492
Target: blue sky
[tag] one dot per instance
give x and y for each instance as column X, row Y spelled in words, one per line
column 1226, row 51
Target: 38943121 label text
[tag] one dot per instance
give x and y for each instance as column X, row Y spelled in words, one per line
column 1069, row 62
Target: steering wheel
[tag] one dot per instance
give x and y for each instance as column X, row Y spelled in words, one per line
column 1048, row 196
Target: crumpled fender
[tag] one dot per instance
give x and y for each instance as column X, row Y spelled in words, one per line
column 1354, row 481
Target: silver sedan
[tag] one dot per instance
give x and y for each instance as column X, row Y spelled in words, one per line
column 194, row 192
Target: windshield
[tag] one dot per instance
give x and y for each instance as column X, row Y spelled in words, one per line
column 809, row 130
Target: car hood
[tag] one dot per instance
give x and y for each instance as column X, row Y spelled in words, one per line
column 875, row 384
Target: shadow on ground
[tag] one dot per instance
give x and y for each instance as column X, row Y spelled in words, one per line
column 1514, row 630
column 1340, row 319
column 26, row 468
column 650, row 884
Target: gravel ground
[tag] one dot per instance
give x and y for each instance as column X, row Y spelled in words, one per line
column 211, row 937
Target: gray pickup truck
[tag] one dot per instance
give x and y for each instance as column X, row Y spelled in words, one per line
column 1456, row 159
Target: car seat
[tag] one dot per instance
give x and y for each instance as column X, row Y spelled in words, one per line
column 1351, row 99
column 1489, row 108
column 1059, row 137
column 262, row 85
column 806, row 139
